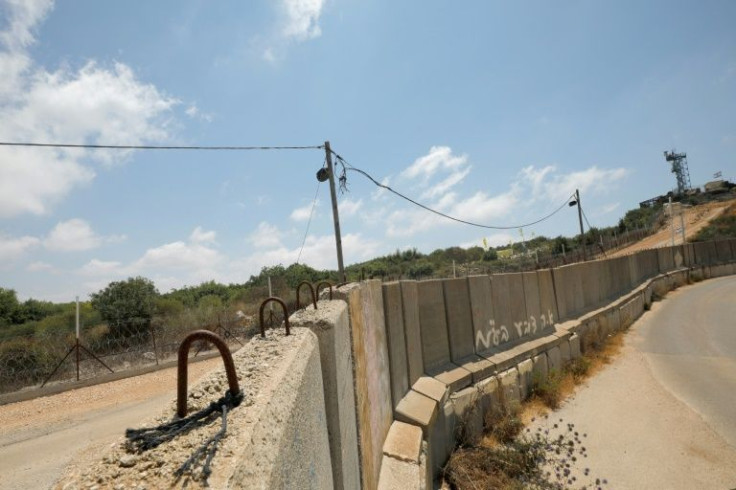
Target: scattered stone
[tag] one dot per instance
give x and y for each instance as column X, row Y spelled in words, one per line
column 127, row 461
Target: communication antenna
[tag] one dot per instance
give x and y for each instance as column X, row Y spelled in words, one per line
column 679, row 168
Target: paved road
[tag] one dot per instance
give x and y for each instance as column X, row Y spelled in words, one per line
column 690, row 345
column 662, row 414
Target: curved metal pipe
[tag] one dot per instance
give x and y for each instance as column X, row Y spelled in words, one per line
column 327, row 283
column 311, row 289
column 182, row 372
column 286, row 314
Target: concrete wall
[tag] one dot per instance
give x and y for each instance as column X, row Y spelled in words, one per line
column 331, row 324
column 372, row 388
column 371, row 375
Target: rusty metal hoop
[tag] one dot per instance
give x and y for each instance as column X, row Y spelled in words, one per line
column 324, row 283
column 311, row 289
column 286, row 314
column 181, row 380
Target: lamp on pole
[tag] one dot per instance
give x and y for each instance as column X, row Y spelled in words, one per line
column 574, row 202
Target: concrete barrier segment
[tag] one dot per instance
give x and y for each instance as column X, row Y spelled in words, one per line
column 432, row 388
column 412, row 331
column 723, row 250
column 396, row 474
column 575, row 347
column 478, row 366
column 331, row 324
column 554, row 359
column 533, row 302
column 396, row 338
column 509, row 391
column 576, row 272
column 565, row 352
column 560, row 288
column 547, row 300
column 417, row 409
column 488, row 390
column 464, row 417
column 539, row 369
column 509, row 306
column 433, row 324
column 372, row 376
column 453, row 376
column 591, row 283
column 482, row 312
column 634, row 272
column 526, row 370
column 459, row 318
column 403, row 442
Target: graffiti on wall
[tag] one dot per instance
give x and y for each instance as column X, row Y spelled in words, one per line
column 494, row 336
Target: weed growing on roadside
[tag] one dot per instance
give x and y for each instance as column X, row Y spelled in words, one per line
column 548, row 388
column 549, row 458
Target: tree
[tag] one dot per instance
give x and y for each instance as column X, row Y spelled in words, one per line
column 8, row 306
column 127, row 306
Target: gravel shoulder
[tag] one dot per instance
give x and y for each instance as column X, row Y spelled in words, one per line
column 40, row 437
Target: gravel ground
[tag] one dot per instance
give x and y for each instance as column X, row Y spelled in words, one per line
column 120, row 467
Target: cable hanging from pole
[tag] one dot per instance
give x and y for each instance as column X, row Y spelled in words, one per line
column 306, row 232
column 347, row 166
column 159, row 147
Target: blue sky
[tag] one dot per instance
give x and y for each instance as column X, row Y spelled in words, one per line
column 493, row 112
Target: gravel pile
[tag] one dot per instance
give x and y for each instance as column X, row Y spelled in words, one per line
column 122, row 468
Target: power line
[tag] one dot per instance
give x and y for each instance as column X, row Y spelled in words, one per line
column 586, row 219
column 347, row 166
column 157, row 147
column 309, row 222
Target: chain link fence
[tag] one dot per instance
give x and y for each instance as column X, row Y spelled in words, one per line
column 52, row 356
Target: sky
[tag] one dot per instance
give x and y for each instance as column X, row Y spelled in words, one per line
column 493, row 112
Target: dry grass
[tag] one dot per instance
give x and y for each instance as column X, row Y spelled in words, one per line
column 498, row 461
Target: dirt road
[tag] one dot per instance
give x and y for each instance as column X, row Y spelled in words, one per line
column 695, row 219
column 39, row 438
column 661, row 414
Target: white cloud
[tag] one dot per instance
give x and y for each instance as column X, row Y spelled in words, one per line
column 14, row 248
column 178, row 256
column 319, row 252
column 93, row 104
column 303, row 213
column 302, row 19
column 72, row 235
column 97, row 267
column 347, row 207
column 560, row 186
column 438, row 158
column 265, row 236
column 194, row 112
column 22, row 17
column 201, row 236
column 173, row 264
column 39, row 267
column 534, row 192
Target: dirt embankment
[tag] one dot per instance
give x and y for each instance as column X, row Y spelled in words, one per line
column 694, row 218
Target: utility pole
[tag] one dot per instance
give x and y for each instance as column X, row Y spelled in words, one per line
column 672, row 222
column 682, row 225
column 335, row 216
column 580, row 218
